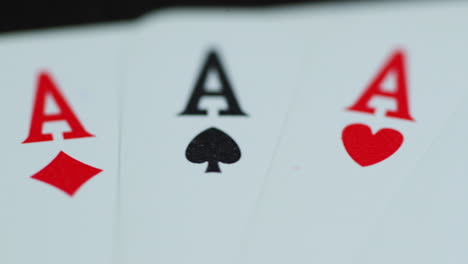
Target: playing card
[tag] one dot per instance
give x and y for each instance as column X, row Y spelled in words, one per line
column 206, row 96
column 380, row 82
column 425, row 220
column 58, row 188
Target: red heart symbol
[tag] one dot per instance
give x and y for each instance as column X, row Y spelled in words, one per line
column 366, row 148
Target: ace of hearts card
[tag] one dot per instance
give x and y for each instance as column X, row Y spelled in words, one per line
column 425, row 221
column 381, row 81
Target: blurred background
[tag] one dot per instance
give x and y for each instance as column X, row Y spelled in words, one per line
column 19, row 15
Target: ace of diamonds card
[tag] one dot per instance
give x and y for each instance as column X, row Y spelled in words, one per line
column 58, row 185
column 206, row 97
column 381, row 81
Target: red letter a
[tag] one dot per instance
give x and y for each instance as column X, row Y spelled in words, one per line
column 47, row 87
column 395, row 64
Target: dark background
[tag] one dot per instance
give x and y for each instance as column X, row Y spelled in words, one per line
column 34, row 14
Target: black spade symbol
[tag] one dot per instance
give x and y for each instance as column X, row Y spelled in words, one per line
column 213, row 146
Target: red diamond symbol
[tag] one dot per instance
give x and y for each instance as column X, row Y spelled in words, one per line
column 66, row 173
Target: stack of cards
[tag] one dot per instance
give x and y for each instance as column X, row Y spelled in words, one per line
column 295, row 134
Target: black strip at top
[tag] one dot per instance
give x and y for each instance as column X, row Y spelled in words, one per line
column 34, row 14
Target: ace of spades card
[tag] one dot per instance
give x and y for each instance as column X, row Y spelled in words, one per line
column 381, row 82
column 58, row 186
column 206, row 96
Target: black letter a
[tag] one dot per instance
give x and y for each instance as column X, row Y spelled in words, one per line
column 212, row 63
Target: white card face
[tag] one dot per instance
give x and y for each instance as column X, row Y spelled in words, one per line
column 319, row 204
column 426, row 221
column 60, row 144
column 188, row 189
